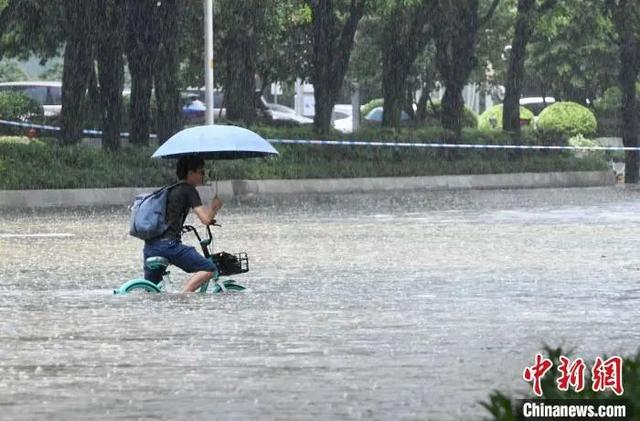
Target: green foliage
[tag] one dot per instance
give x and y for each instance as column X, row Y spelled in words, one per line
column 608, row 111
column 16, row 106
column 49, row 166
column 22, row 140
column 572, row 52
column 611, row 100
column 11, row 72
column 581, row 141
column 567, row 119
column 31, row 28
column 491, row 42
column 54, row 72
column 434, row 111
column 502, row 406
column 282, row 35
column 494, row 114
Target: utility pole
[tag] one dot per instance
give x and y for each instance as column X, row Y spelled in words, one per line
column 208, row 62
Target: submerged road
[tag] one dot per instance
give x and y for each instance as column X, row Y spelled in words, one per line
column 361, row 306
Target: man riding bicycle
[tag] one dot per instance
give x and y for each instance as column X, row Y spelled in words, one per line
column 182, row 198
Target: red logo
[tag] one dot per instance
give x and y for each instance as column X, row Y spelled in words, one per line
column 604, row 375
column 571, row 374
column 536, row 372
column 607, row 375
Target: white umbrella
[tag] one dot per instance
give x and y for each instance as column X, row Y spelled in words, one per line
column 215, row 142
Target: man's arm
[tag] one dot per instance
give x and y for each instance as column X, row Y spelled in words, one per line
column 207, row 215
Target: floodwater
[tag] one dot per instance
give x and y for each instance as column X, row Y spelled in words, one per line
column 367, row 306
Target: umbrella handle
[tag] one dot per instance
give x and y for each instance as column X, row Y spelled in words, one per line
column 214, row 175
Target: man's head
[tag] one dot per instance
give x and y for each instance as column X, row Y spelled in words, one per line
column 190, row 168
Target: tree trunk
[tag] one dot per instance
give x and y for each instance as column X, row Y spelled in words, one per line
column 453, row 107
column 168, row 118
column 628, row 27
column 239, row 50
column 78, row 61
column 515, row 72
column 394, row 76
column 394, row 69
column 455, row 57
column 332, row 45
column 141, row 43
column 111, row 70
column 405, row 35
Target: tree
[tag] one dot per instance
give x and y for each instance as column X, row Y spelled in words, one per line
column 528, row 11
column 31, row 27
column 79, row 32
column 626, row 15
column 167, row 92
column 284, row 42
column 279, row 29
column 110, row 60
column 141, row 44
column 239, row 52
column 456, row 30
column 570, row 54
column 332, row 42
column 407, row 32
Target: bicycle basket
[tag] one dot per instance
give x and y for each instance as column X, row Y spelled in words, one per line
column 231, row 264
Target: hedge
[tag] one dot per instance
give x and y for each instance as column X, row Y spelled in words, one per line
column 47, row 165
column 493, row 116
column 434, row 109
column 567, row 119
column 16, row 106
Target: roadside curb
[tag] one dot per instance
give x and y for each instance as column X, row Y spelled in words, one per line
column 123, row 196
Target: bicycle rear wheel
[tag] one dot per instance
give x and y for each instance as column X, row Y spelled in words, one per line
column 141, row 285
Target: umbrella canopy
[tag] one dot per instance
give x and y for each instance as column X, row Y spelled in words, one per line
column 215, row 142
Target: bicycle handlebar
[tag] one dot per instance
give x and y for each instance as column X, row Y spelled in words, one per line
column 191, row 228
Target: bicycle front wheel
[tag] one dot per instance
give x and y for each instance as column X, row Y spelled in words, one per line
column 229, row 285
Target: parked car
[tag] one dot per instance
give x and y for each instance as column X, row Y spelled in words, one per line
column 47, row 94
column 375, row 115
column 343, row 118
column 194, row 108
column 282, row 115
column 537, row 104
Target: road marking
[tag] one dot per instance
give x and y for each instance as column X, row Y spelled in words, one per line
column 50, row 235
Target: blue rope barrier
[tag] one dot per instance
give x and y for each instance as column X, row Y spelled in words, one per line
column 57, row 129
column 450, row 145
column 375, row 143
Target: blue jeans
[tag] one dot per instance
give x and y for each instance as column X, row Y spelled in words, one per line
column 184, row 257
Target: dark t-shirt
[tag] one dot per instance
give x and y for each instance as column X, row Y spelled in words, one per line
column 180, row 200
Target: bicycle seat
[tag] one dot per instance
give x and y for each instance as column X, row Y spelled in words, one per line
column 156, row 262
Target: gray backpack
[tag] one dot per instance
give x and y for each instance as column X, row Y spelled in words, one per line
column 149, row 213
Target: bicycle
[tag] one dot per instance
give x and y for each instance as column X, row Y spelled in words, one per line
column 228, row 264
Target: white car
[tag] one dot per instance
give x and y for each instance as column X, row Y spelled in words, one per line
column 537, row 104
column 47, row 94
column 284, row 115
column 343, row 118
